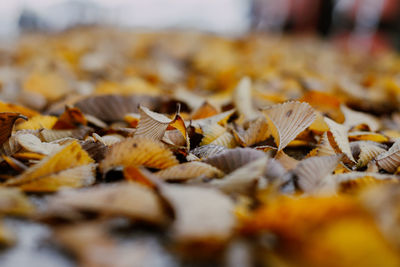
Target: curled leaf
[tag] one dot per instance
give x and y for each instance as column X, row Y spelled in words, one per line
column 286, row 161
column 365, row 151
column 189, row 170
column 138, row 175
column 211, row 132
column 338, row 138
column 32, row 143
column 204, row 111
column 37, row 122
column 255, row 133
column 242, row 98
column 226, row 139
column 233, row 159
column 244, row 179
column 324, row 147
column 310, row 172
column 367, row 136
column 390, row 160
column 48, row 135
column 152, row 125
column 220, row 119
column 7, row 120
column 70, row 119
column 65, row 158
column 288, row 120
column 208, row 150
column 135, row 151
column 76, row 177
column 354, row 118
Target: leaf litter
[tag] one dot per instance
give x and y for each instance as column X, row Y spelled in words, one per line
column 292, row 160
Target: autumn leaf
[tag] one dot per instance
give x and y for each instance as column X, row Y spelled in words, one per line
column 57, row 170
column 7, row 120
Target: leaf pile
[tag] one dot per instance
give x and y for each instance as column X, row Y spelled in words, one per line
column 172, row 149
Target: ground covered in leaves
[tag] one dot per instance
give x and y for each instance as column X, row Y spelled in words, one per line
column 187, row 149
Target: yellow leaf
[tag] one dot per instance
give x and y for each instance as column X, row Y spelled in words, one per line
column 80, row 176
column 14, row 202
column 37, row 122
column 138, row 152
column 49, row 84
column 355, row 241
column 70, row 156
column 9, row 107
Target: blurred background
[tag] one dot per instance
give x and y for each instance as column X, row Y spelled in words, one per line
column 370, row 24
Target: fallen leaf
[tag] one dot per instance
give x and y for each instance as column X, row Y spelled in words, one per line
column 7, row 120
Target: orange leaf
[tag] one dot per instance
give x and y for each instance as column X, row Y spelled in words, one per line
column 9, row 107
column 70, row 119
column 132, row 173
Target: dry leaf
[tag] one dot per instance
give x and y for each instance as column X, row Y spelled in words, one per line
column 365, row 151
column 311, row 172
column 76, row 177
column 14, row 202
column 244, row 179
column 338, row 138
column 288, row 120
column 390, row 160
column 189, row 170
column 70, row 119
column 7, row 120
column 207, row 151
column 10, row 107
column 191, row 206
column 37, row 122
column 354, row 118
column 286, row 161
column 32, row 143
column 138, row 152
column 113, row 107
column 255, row 133
column 204, row 111
column 138, row 175
column 123, row 199
column 67, row 157
column 232, row 159
column 242, row 98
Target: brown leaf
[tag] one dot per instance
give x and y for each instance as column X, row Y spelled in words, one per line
column 7, row 120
